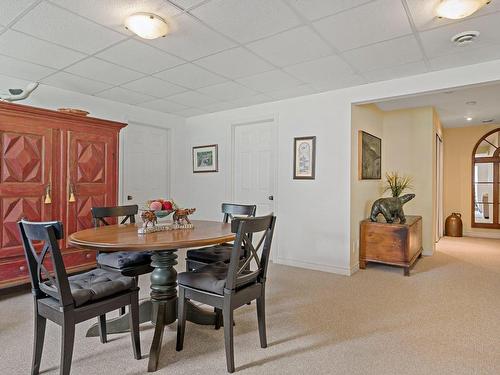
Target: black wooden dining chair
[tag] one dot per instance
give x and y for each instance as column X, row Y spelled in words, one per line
column 197, row 258
column 229, row 286
column 127, row 263
column 68, row 301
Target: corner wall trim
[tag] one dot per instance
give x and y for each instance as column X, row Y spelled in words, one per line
column 340, row 270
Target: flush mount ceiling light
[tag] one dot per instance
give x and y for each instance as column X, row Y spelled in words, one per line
column 146, row 25
column 468, row 118
column 457, row 9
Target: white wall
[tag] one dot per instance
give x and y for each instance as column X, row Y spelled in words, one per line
column 53, row 98
column 313, row 216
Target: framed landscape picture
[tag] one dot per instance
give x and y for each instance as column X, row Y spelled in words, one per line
column 304, row 158
column 369, row 156
column 205, row 159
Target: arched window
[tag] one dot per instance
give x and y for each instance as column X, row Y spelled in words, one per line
column 486, row 181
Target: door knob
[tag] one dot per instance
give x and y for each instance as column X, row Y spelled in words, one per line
column 271, row 198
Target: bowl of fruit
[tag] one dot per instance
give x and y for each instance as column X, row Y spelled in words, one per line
column 161, row 207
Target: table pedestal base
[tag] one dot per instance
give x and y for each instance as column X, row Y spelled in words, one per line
column 161, row 309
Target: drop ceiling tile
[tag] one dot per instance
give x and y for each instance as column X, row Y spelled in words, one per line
column 103, row 71
column 190, row 40
column 273, row 80
column 190, row 112
column 466, row 57
column 24, row 70
column 227, row 91
column 192, row 99
column 190, row 76
column 394, row 72
column 370, row 23
column 234, row 63
column 153, row 87
column 245, row 20
column 139, row 56
column 385, row 54
column 24, row 47
column 253, row 100
column 242, row 102
column 122, row 95
column 314, row 9
column 437, row 42
column 187, row 4
column 293, row 92
column 164, row 106
column 51, row 23
column 424, row 13
column 71, row 82
column 13, row 8
column 112, row 13
column 326, row 70
column 335, row 83
column 283, row 49
column 218, row 107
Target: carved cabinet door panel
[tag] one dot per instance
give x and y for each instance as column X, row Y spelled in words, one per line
column 91, row 176
column 26, row 178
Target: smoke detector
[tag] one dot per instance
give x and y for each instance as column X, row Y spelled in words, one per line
column 465, row 38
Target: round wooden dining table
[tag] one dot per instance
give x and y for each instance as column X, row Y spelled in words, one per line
column 161, row 309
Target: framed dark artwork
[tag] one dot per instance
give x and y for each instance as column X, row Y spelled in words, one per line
column 304, row 158
column 369, row 156
column 205, row 159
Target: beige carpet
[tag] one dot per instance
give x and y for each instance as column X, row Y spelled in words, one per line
column 444, row 319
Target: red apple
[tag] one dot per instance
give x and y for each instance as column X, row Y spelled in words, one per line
column 167, row 206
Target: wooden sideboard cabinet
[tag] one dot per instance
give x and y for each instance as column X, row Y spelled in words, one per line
column 395, row 244
column 53, row 166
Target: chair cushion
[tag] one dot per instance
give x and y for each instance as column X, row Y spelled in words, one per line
column 93, row 285
column 212, row 254
column 211, row 278
column 124, row 259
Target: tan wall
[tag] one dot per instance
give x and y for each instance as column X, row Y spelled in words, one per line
column 363, row 192
column 409, row 149
column 408, row 138
column 458, row 146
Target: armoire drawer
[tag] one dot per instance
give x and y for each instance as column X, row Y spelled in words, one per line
column 15, row 271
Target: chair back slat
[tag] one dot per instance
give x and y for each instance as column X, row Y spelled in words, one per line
column 240, row 272
column 231, row 210
column 42, row 281
column 99, row 214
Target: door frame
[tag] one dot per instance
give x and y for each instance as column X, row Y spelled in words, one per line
column 273, row 120
column 121, row 162
column 439, row 188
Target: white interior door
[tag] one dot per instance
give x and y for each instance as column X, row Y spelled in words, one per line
column 254, row 169
column 146, row 164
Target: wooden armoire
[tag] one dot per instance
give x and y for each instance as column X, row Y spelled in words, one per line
column 53, row 166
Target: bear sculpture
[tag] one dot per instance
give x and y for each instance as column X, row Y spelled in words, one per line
column 391, row 208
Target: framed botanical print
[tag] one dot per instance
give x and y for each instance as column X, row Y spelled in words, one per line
column 369, row 156
column 304, row 158
column 205, row 159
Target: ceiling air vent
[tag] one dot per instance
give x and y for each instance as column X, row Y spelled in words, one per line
column 488, row 121
column 465, row 38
